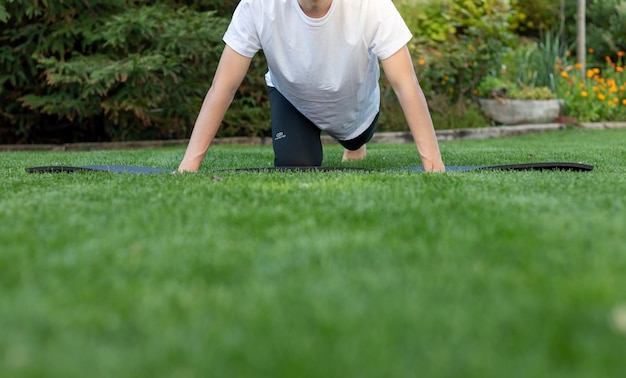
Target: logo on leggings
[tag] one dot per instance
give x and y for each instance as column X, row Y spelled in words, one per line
column 280, row 135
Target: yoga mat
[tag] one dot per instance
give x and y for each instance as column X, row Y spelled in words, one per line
column 546, row 166
column 98, row 168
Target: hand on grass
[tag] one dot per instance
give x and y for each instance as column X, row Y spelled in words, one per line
column 184, row 168
column 181, row 170
column 435, row 167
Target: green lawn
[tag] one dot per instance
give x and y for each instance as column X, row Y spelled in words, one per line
column 338, row 274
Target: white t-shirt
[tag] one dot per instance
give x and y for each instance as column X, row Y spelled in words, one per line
column 326, row 67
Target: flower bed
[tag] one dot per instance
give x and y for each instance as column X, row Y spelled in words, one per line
column 599, row 94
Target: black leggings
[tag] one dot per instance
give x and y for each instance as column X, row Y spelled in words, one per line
column 296, row 140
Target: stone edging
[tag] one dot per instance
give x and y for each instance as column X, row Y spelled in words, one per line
column 381, row 137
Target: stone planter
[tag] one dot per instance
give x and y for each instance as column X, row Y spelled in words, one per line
column 517, row 112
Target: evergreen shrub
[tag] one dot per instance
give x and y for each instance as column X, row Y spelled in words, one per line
column 103, row 70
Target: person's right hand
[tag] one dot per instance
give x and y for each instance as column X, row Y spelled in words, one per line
column 436, row 167
column 185, row 167
column 183, row 170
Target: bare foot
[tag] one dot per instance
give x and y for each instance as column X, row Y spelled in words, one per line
column 355, row 155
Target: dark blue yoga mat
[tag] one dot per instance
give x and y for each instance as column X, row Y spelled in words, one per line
column 547, row 166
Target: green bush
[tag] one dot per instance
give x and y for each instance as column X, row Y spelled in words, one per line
column 224, row 8
column 471, row 49
column 527, row 72
column 134, row 71
column 457, row 43
column 534, row 17
column 606, row 27
column 532, row 64
column 26, row 30
column 489, row 84
column 426, row 20
column 495, row 87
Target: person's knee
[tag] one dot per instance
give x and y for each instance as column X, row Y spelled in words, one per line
column 298, row 160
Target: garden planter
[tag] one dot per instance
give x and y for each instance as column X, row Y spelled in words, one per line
column 517, row 112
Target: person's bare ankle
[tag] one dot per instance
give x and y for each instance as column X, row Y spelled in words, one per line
column 355, row 155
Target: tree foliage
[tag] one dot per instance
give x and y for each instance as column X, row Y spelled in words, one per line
column 533, row 17
column 606, row 28
column 456, row 43
column 101, row 70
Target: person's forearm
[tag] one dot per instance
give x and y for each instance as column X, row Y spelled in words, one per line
column 420, row 123
column 208, row 122
column 230, row 72
column 399, row 70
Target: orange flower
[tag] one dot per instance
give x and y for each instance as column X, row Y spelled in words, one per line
column 608, row 59
column 601, row 97
column 590, row 74
column 422, row 61
column 620, row 53
column 564, row 74
column 584, row 93
column 578, row 65
column 619, row 69
column 590, row 50
column 624, row 101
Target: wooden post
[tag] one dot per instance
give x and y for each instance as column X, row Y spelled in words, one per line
column 562, row 24
column 581, row 31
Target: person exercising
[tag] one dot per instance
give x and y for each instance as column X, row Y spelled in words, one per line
column 323, row 73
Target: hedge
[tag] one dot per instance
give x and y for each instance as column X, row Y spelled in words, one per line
column 103, row 70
